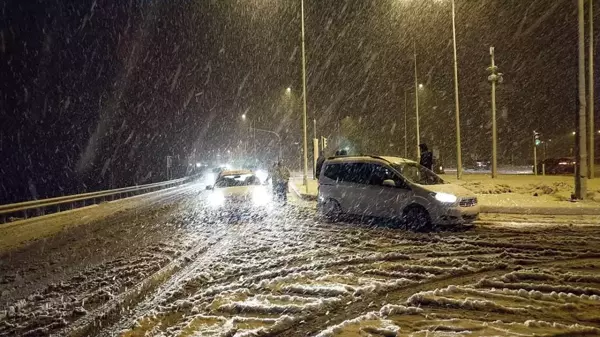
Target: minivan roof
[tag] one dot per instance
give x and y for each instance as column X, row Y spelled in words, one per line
column 371, row 158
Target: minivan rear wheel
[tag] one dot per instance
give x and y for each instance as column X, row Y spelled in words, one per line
column 331, row 209
column 417, row 218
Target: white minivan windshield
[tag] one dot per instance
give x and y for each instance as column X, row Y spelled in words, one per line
column 418, row 174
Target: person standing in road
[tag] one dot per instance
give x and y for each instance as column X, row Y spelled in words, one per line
column 319, row 165
column 283, row 178
column 426, row 156
column 274, row 178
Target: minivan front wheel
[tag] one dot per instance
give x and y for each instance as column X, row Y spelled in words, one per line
column 331, row 209
column 417, row 218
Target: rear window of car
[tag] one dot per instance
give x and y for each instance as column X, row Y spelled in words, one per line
column 237, row 180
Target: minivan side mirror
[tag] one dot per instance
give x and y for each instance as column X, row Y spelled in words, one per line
column 389, row 183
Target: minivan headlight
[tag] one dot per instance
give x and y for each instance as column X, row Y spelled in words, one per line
column 445, row 197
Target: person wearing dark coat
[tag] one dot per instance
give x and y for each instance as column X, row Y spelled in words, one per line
column 320, row 161
column 426, row 156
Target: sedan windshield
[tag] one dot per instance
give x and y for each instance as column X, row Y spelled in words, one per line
column 237, row 180
column 418, row 174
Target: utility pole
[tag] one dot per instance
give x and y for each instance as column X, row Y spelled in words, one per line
column 417, row 102
column 457, row 110
column 304, row 140
column 592, row 142
column 315, row 149
column 405, row 125
column 581, row 159
column 536, row 142
column 494, row 78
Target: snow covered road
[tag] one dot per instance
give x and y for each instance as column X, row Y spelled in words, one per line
column 165, row 271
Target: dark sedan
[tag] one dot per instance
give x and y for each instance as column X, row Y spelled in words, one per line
column 565, row 165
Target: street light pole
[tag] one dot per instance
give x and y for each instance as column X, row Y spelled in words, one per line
column 591, row 92
column 304, row 140
column 581, row 162
column 495, row 77
column 494, row 134
column 405, row 125
column 458, row 149
column 417, row 102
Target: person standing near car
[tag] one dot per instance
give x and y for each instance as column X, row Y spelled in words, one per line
column 320, row 161
column 283, row 178
column 426, row 156
column 274, row 178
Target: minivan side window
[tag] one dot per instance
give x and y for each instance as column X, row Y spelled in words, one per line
column 358, row 173
column 380, row 173
column 332, row 171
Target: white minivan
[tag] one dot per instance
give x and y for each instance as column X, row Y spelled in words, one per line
column 392, row 187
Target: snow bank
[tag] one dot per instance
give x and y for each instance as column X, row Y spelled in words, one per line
column 392, row 309
column 398, row 274
column 574, row 327
column 314, row 289
column 435, row 298
column 281, row 324
column 539, row 286
column 376, row 286
column 333, row 330
column 262, row 304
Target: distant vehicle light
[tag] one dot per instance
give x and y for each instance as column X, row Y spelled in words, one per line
column 198, row 164
column 563, row 163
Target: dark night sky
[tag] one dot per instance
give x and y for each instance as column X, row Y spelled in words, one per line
column 92, row 89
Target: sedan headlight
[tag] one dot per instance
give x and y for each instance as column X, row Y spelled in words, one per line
column 261, row 175
column 216, row 199
column 260, row 197
column 209, row 178
column 446, row 198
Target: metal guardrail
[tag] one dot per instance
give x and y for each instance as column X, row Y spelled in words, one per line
column 28, row 209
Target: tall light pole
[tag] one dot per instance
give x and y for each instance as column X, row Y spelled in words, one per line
column 304, row 140
column 591, row 132
column 581, row 141
column 405, row 124
column 418, row 87
column 495, row 77
column 458, row 149
column 417, row 101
